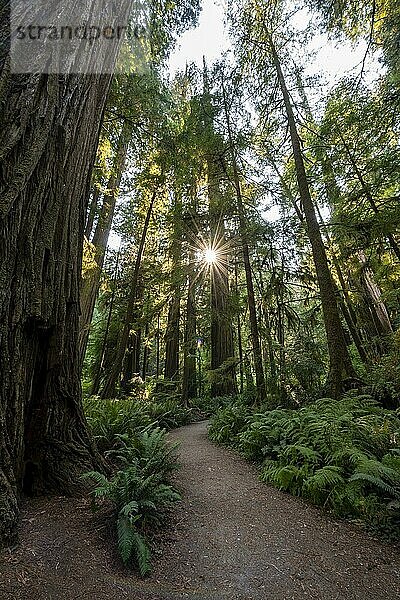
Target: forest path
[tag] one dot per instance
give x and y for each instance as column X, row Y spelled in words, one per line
column 234, row 538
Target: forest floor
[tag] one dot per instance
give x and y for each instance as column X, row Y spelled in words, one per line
column 231, row 538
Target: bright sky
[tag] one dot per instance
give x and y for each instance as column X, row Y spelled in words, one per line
column 210, row 39
column 333, row 60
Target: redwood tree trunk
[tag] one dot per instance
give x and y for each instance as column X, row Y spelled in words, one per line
column 222, row 348
column 48, row 139
column 171, row 370
column 221, row 338
column 172, row 334
column 189, row 384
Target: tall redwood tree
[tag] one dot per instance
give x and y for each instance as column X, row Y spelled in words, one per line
column 48, row 138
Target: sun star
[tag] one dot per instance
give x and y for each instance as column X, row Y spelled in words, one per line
column 210, row 256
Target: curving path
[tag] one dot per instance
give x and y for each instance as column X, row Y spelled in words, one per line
column 234, row 538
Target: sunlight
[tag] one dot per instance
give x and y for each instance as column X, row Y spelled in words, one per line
column 210, row 256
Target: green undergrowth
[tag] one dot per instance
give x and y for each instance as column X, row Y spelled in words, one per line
column 343, row 455
column 132, row 436
column 110, row 418
column 210, row 406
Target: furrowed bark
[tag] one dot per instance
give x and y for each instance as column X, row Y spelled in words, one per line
column 48, row 140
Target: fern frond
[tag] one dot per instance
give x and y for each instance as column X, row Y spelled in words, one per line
column 376, row 482
column 126, row 538
column 142, row 553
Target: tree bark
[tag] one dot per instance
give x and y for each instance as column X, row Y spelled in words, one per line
column 373, row 297
column 172, row 333
column 239, row 337
column 146, row 352
column 341, row 367
column 222, row 348
column 50, row 129
column 221, row 338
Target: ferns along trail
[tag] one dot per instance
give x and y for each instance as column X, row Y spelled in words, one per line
column 199, row 300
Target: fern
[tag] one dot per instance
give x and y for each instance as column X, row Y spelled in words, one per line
column 142, row 553
column 289, row 477
column 376, row 482
column 343, row 454
column 319, row 486
column 139, row 491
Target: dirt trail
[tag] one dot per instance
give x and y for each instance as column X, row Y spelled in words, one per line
column 234, row 538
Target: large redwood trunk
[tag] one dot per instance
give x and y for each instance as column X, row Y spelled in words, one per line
column 48, row 139
column 221, row 335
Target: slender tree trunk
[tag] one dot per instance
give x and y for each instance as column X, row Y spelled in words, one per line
column 91, row 283
column 171, row 370
column 189, row 386
column 373, row 297
column 145, row 353
column 268, row 334
column 239, row 338
column 341, row 366
column 158, row 370
column 172, row 334
column 111, row 382
column 91, row 213
column 131, row 364
column 97, row 379
column 255, row 337
column 50, row 130
column 345, row 303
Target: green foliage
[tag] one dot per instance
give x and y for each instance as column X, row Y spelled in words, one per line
column 149, row 451
column 169, row 412
column 139, row 491
column 208, row 406
column 228, row 423
column 109, row 419
column 343, row 455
